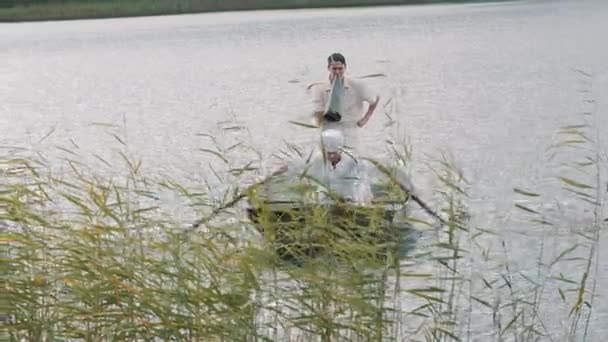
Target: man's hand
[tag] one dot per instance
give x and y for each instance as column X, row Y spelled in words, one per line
column 363, row 121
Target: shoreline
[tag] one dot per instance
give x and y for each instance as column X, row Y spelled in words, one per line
column 142, row 8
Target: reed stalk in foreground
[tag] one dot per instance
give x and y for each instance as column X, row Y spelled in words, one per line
column 97, row 256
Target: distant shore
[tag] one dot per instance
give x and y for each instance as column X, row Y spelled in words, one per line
column 37, row 10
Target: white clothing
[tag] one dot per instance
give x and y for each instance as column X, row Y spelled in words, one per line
column 347, row 179
column 353, row 106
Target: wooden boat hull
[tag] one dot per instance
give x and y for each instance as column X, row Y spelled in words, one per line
column 298, row 229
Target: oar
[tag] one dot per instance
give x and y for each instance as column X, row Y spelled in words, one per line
column 403, row 187
column 230, row 203
column 244, row 194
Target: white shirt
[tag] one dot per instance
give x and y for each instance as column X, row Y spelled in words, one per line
column 347, row 179
column 356, row 94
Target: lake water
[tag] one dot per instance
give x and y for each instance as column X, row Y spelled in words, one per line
column 490, row 83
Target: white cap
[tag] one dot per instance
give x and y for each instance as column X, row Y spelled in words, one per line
column 332, row 139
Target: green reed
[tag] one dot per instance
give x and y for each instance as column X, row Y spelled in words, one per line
column 93, row 258
column 96, row 256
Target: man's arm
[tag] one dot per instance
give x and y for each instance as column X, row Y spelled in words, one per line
column 318, row 104
column 317, row 118
column 370, row 111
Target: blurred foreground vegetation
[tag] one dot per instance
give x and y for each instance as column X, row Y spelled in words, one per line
column 92, row 255
column 27, row 10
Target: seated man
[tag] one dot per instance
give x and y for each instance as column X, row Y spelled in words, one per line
column 334, row 170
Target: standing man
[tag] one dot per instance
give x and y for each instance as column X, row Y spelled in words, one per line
column 348, row 95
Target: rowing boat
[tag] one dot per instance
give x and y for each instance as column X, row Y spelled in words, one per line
column 293, row 219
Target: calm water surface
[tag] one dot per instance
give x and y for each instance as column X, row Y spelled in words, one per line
column 490, row 83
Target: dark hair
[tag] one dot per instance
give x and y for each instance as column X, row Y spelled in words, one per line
column 336, row 57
